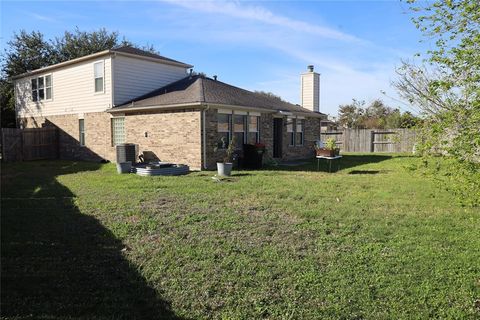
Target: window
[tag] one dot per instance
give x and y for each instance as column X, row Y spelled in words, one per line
column 81, row 132
column 239, row 130
column 290, row 132
column 42, row 88
column 253, row 129
column 118, row 131
column 223, row 128
column 299, row 132
column 98, row 75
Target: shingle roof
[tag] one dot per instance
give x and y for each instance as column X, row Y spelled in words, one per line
column 139, row 52
column 121, row 50
column 200, row 89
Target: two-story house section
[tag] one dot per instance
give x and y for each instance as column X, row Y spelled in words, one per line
column 127, row 95
column 75, row 94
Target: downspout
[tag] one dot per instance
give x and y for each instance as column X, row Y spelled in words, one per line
column 112, row 78
column 112, row 104
column 204, row 136
column 17, row 125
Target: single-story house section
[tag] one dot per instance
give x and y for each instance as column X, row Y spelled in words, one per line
column 128, row 95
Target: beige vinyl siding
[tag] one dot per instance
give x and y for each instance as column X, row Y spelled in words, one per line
column 310, row 87
column 73, row 91
column 135, row 77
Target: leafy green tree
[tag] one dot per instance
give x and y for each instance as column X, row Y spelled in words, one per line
column 80, row 43
column 269, row 95
column 447, row 89
column 394, row 119
column 408, row 120
column 376, row 116
column 350, row 115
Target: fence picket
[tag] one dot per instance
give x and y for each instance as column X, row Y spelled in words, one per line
column 373, row 140
column 29, row 144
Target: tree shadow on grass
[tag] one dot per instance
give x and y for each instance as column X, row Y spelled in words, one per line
column 58, row 263
column 346, row 162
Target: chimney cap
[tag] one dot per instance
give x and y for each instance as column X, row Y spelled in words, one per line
column 215, row 77
column 310, row 67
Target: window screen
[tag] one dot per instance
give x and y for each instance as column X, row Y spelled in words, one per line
column 98, row 74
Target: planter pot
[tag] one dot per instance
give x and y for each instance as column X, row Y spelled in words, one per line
column 322, row 152
column 124, row 167
column 224, row 169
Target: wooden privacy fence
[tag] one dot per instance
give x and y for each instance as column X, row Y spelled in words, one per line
column 29, row 144
column 372, row 140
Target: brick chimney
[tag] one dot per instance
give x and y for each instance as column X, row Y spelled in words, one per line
column 310, row 90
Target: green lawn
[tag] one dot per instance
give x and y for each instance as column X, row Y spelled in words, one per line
column 374, row 240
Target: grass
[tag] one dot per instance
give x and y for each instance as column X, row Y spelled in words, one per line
column 374, row 240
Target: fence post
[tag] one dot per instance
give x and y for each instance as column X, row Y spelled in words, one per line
column 3, row 145
column 372, row 141
column 22, row 153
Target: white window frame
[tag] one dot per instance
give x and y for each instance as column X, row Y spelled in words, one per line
column 229, row 130
column 257, row 129
column 45, row 87
column 302, row 140
column 245, row 122
column 291, row 134
column 95, row 77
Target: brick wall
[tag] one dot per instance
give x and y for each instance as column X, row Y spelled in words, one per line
column 173, row 136
column 312, row 133
column 212, row 139
column 97, row 135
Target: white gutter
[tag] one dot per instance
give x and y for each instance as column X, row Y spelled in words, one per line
column 285, row 113
column 112, row 78
column 98, row 54
column 262, row 110
column 15, row 103
column 162, row 61
column 204, row 138
column 236, row 107
column 61, row 64
column 132, row 107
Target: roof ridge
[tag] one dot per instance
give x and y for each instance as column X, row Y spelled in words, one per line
column 257, row 94
column 132, row 50
column 202, row 92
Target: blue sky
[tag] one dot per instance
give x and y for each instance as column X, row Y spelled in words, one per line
column 256, row 45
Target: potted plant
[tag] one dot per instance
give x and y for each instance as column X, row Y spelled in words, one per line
column 224, row 168
column 329, row 150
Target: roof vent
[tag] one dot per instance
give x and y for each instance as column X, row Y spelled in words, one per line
column 215, row 77
column 310, row 68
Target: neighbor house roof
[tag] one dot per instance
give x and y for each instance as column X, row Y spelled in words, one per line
column 124, row 51
column 201, row 90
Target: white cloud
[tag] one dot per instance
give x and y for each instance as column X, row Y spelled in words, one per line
column 260, row 14
column 350, row 67
column 41, row 17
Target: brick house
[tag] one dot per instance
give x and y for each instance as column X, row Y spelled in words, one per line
column 129, row 95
